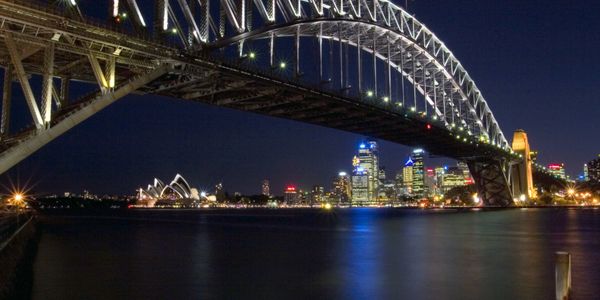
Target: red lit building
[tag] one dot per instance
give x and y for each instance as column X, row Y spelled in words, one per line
column 558, row 170
column 290, row 195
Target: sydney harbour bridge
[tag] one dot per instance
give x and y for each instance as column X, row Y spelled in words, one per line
column 364, row 66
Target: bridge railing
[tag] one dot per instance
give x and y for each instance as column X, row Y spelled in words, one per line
column 10, row 222
column 44, row 6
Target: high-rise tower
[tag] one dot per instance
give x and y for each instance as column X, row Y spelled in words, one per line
column 594, row 169
column 266, row 188
column 418, row 170
column 407, row 175
column 366, row 171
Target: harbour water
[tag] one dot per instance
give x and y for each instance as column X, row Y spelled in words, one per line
column 315, row 254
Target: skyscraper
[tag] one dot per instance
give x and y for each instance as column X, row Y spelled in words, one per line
column 594, row 169
column 366, row 164
column 360, row 186
column 399, row 180
column 316, row 195
column 418, row 180
column 407, row 175
column 586, row 175
column 429, row 181
column 341, row 188
column 266, row 188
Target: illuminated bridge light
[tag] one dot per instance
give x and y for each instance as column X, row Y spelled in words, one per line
column 369, row 93
column 174, row 30
column 386, row 99
column 282, row 65
column 252, row 55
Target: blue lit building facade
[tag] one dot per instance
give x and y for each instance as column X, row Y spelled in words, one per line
column 365, row 174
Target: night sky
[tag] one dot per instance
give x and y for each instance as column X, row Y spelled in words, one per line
column 536, row 63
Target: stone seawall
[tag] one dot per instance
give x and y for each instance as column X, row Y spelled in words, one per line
column 16, row 261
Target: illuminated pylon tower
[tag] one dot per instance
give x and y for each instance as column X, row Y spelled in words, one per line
column 522, row 178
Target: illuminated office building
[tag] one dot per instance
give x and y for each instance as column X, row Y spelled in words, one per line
column 317, row 195
column 366, row 171
column 418, row 171
column 341, row 188
column 557, row 170
column 593, row 167
column 407, row 176
column 290, row 195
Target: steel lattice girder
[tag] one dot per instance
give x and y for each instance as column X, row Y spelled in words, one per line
column 492, row 181
column 388, row 19
column 412, row 42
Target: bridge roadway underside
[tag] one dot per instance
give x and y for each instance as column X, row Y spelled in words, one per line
column 227, row 87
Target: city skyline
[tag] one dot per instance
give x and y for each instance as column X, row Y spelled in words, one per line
column 218, row 148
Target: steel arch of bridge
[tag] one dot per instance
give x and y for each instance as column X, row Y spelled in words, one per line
column 48, row 44
column 378, row 27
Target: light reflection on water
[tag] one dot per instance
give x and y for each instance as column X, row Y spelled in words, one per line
column 344, row 254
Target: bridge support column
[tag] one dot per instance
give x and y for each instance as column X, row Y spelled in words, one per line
column 492, row 181
column 522, row 174
column 6, row 101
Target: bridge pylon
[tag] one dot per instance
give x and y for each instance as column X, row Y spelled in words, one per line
column 522, row 173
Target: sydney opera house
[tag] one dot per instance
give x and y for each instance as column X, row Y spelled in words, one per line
column 176, row 193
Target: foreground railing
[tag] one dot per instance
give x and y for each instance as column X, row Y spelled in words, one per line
column 11, row 221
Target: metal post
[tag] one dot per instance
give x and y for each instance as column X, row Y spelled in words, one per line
column 110, row 72
column 341, row 52
column 161, row 17
column 22, row 76
column 444, row 96
column 331, row 62
column 434, row 94
column 402, row 73
column 6, row 101
column 346, row 67
column 320, row 52
column 414, row 71
column 297, row 48
column 375, row 61
column 241, row 48
column 64, row 91
column 563, row 275
column 47, row 83
column 359, row 61
column 271, row 47
column 389, row 69
column 425, row 89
